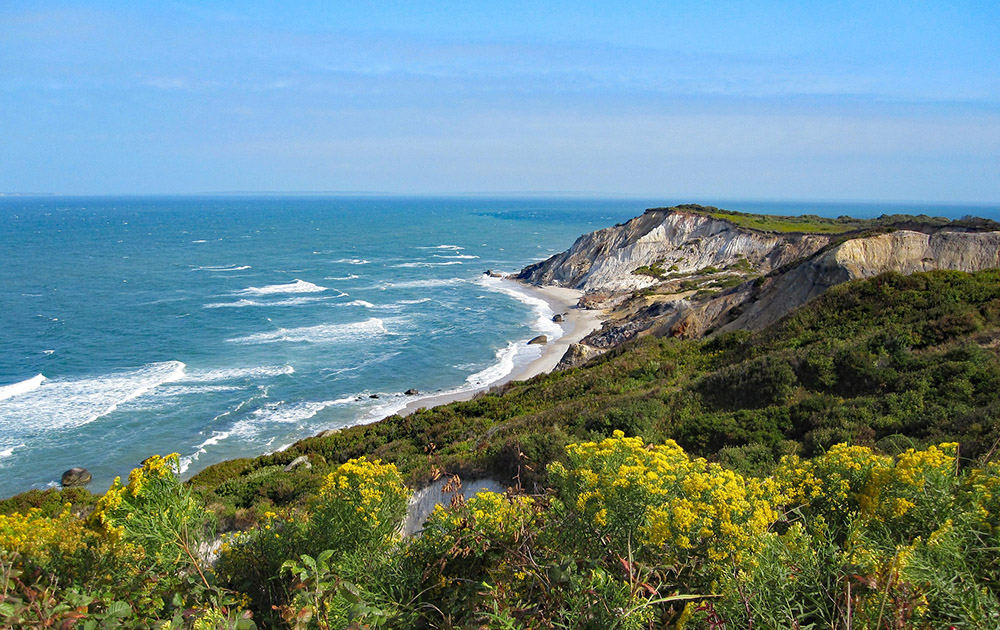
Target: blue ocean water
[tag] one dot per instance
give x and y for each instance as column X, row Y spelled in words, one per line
column 220, row 327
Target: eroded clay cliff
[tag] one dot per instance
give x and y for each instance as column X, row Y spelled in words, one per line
column 682, row 273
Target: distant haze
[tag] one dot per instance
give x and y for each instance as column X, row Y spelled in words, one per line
column 763, row 100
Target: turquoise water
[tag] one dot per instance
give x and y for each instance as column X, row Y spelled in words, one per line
column 224, row 327
column 221, row 327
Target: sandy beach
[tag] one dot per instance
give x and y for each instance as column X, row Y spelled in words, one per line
column 578, row 323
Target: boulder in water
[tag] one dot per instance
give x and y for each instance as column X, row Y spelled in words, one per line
column 411, row 392
column 539, row 340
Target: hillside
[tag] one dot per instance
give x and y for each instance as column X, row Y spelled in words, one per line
column 836, row 464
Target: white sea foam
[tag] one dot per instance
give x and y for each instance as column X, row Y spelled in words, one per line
column 423, row 284
column 543, row 312
column 508, row 358
column 217, row 436
column 295, row 301
column 73, row 402
column 451, row 247
column 48, row 351
column 420, row 301
column 14, row 389
column 200, row 241
column 299, row 286
column 351, row 261
column 347, row 277
column 413, row 265
column 324, row 333
column 499, row 370
column 282, row 412
column 7, row 452
column 221, row 268
column 360, row 303
column 463, row 256
column 233, row 374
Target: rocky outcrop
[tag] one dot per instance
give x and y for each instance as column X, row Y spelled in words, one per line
column 672, row 240
column 300, row 461
column 75, row 477
column 540, row 340
column 577, row 354
column 684, row 273
column 443, row 492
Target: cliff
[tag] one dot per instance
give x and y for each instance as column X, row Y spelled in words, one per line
column 676, row 240
column 690, row 270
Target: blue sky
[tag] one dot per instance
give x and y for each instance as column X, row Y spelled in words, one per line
column 760, row 100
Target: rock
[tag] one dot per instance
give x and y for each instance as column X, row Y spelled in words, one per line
column 411, row 392
column 76, row 477
column 539, row 340
column 493, row 274
column 558, row 318
column 577, row 354
column 301, row 460
column 373, row 396
column 675, row 240
column 329, row 432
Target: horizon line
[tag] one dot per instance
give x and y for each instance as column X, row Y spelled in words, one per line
column 555, row 194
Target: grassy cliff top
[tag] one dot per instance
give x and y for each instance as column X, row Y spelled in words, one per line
column 813, row 224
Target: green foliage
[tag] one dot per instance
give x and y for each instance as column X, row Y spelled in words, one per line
column 902, row 535
column 51, row 501
column 358, row 509
column 653, row 271
column 810, row 223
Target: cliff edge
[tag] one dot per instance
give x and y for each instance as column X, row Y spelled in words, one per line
column 691, row 270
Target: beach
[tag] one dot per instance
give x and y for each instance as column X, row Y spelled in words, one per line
column 577, row 324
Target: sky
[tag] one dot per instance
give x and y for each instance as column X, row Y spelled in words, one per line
column 890, row 101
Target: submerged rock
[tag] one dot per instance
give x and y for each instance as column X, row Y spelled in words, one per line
column 76, row 477
column 411, row 392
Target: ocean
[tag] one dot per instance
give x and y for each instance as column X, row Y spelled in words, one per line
column 227, row 326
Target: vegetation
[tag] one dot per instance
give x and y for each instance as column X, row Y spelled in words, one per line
column 813, row 224
column 654, row 271
column 836, row 470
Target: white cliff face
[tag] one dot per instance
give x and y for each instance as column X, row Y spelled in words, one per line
column 903, row 251
column 791, row 269
column 676, row 241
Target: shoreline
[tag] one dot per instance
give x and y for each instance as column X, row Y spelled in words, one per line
column 578, row 323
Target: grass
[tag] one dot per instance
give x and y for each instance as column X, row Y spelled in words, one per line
column 813, row 224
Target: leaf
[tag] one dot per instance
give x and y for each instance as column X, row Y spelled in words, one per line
column 350, row 592
column 119, row 609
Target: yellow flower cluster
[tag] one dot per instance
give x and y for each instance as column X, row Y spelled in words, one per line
column 658, row 495
column 984, row 486
column 853, row 480
column 369, row 486
column 38, row 537
column 154, row 470
column 500, row 518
